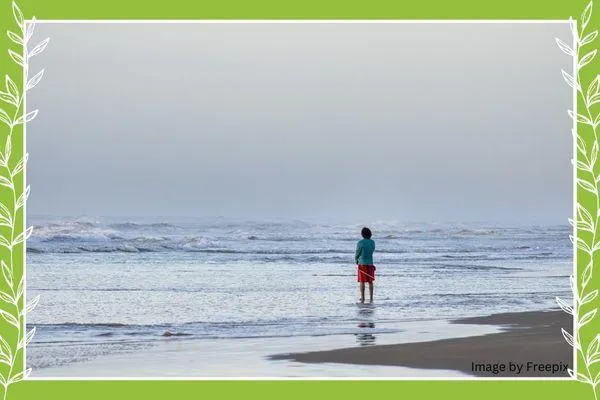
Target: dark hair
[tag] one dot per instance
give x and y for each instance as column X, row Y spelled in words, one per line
column 366, row 233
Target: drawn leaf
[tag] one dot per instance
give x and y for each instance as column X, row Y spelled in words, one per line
column 11, row 87
column 594, row 154
column 23, row 197
column 565, row 307
column 5, row 360
column 4, row 117
column 580, row 118
column 573, row 286
column 593, row 347
column 20, row 165
column 589, row 38
column 586, row 59
column 587, row 317
column 29, row 336
column 18, row 15
column 7, row 98
column 8, row 317
column 593, row 100
column 597, row 121
column 573, row 28
column 4, row 221
column 39, row 47
column 32, row 304
column 583, row 214
column 593, row 359
column 26, row 117
column 8, row 275
column 587, row 185
column 4, row 181
column 4, row 242
column 581, row 146
column 7, row 150
column 6, row 298
column 570, row 80
column 4, row 212
column 581, row 165
column 35, row 80
column 581, row 244
column 579, row 376
column 594, row 87
column 20, row 289
column 564, row 47
column 5, row 347
column 20, row 376
column 586, row 15
column 568, row 337
column 586, row 275
column 16, row 57
column 582, row 225
column 29, row 28
column 23, row 236
column 589, row 297
column 18, row 40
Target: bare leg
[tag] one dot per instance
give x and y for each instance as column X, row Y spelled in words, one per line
column 370, row 291
column 362, row 292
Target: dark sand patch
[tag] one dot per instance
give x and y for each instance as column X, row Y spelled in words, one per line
column 530, row 339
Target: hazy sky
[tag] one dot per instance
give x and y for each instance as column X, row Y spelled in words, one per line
column 346, row 121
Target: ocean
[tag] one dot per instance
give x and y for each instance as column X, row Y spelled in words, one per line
column 118, row 284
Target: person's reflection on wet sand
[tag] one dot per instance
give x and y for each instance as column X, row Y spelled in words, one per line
column 366, row 322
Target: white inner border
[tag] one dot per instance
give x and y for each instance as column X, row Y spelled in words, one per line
column 309, row 21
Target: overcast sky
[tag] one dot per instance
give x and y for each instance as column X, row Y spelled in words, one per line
column 452, row 122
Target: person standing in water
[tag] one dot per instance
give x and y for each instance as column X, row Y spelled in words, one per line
column 364, row 260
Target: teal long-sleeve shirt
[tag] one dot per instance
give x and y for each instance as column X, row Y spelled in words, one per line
column 364, row 252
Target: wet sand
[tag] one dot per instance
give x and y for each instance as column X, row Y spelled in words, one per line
column 530, row 345
column 182, row 357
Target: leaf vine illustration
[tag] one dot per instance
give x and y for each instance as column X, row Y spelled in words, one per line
column 587, row 218
column 13, row 115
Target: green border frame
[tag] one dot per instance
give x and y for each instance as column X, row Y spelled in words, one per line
column 586, row 216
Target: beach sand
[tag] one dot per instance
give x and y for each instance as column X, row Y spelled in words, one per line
column 531, row 340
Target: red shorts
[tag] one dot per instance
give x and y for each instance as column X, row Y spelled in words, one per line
column 366, row 273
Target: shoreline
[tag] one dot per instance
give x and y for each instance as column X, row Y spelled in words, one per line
column 250, row 357
column 530, row 344
column 427, row 349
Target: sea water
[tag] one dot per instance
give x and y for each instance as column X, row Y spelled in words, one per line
column 112, row 284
